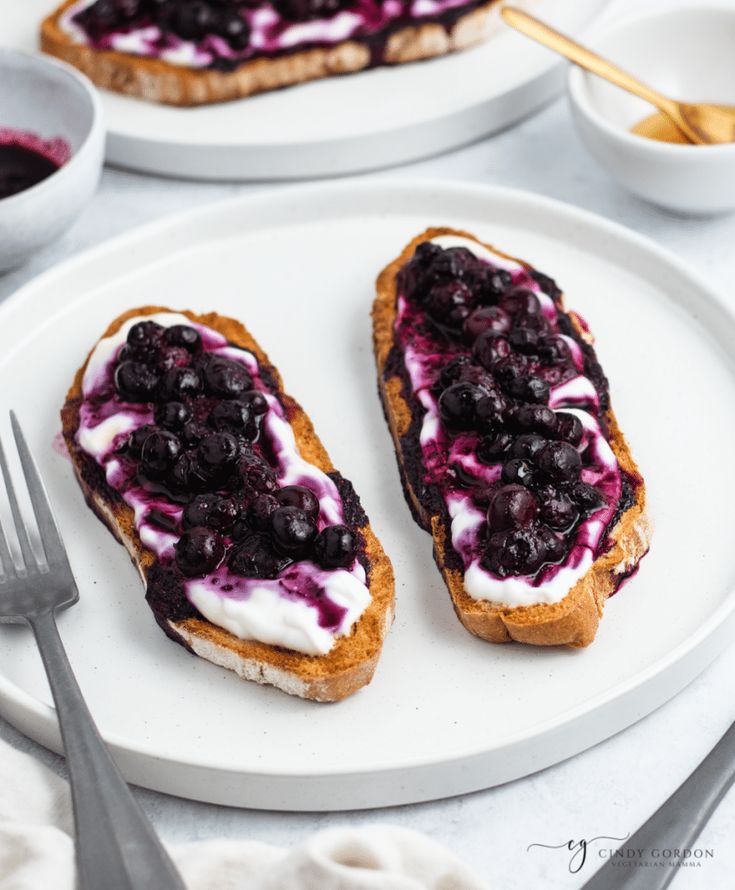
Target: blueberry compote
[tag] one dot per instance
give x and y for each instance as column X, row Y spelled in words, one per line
column 191, row 432
column 511, row 403
column 222, row 34
column 26, row 160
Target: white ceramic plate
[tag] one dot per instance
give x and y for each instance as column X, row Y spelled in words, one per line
column 446, row 712
column 340, row 125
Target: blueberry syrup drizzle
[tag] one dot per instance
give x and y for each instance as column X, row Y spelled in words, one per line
column 189, row 432
column 509, row 440
column 222, row 35
column 27, row 159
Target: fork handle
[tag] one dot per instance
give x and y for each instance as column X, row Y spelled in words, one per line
column 116, row 845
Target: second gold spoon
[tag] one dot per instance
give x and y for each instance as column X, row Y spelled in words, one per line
column 700, row 123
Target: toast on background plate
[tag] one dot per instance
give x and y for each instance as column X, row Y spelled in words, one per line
column 255, row 552
column 509, row 451
column 202, row 51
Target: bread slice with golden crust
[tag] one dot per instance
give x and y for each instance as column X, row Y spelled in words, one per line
column 574, row 620
column 352, row 661
column 159, row 81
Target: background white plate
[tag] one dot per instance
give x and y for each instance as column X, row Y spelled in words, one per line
column 446, row 712
column 340, row 125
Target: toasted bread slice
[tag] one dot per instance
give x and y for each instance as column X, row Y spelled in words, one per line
column 160, row 81
column 573, row 621
column 351, row 662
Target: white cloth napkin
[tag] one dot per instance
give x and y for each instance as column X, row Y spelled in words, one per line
column 37, row 849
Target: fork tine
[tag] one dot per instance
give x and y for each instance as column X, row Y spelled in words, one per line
column 29, row 559
column 6, row 560
column 53, row 546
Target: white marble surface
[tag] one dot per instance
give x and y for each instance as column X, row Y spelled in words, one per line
column 609, row 789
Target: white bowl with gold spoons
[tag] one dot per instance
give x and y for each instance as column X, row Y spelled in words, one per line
column 684, row 53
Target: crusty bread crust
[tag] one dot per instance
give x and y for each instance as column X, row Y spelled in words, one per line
column 574, row 620
column 159, row 81
column 353, row 659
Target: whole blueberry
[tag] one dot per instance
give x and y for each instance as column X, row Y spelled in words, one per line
column 553, row 375
column 183, row 336
column 569, row 427
column 144, row 338
column 172, row 415
column 292, row 531
column 261, row 508
column 412, row 278
column 193, row 19
column 233, row 27
column 230, row 415
column 490, row 348
column 536, row 419
column 135, row 382
column 98, row 19
column 471, row 373
column 452, row 372
column 520, row 301
column 518, row 471
column 255, row 401
column 335, row 547
column 299, row 496
column 490, row 410
column 136, row 439
column 555, row 545
column 532, row 321
column 218, row 450
column 511, row 367
column 256, row 474
column 196, row 512
column 449, row 303
column 255, row 558
column 199, row 551
column 486, row 318
column 587, row 497
column 493, row 448
column 179, row 383
column 557, row 509
column 559, row 462
column 225, row 378
column 525, row 340
column 529, row 389
column 454, row 264
column 193, row 432
column 511, row 506
column 211, row 510
column 527, row 445
column 188, row 475
column 519, row 551
column 458, row 405
column 493, row 283
column 172, row 357
column 159, row 453
column 554, row 350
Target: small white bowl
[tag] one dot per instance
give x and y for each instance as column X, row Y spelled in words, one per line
column 50, row 99
column 686, row 53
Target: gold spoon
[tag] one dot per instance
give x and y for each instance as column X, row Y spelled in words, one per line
column 701, row 124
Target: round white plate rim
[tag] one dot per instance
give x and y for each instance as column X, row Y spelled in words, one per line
column 685, row 653
column 429, row 133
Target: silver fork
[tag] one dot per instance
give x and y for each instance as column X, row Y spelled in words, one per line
column 116, row 846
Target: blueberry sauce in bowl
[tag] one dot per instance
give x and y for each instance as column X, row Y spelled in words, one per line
column 509, row 406
column 195, row 437
column 27, row 159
